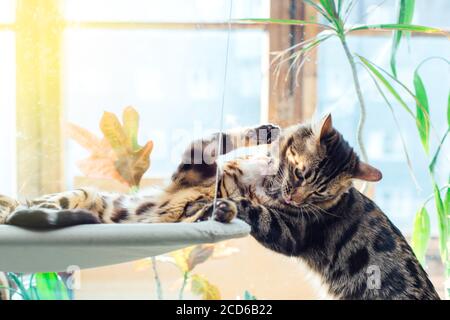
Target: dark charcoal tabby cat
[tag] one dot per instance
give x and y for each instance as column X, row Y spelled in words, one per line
column 316, row 215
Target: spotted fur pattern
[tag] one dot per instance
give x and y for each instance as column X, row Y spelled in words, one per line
column 188, row 198
column 315, row 215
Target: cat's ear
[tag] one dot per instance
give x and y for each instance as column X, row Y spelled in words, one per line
column 324, row 127
column 366, row 172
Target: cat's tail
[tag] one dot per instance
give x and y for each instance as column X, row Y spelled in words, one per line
column 42, row 218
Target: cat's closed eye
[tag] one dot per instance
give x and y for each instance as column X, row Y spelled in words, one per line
column 307, row 173
column 298, row 174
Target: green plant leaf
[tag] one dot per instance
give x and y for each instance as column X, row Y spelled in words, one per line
column 10, row 292
column 421, row 234
column 329, row 7
column 18, row 282
column 401, row 27
column 438, row 150
column 34, row 295
column 50, row 287
column 447, row 201
column 397, row 124
column 448, row 109
column 374, row 70
column 442, row 222
column 331, row 11
column 248, row 296
column 348, row 9
column 319, row 9
column 298, row 57
column 340, row 2
column 405, row 16
column 422, row 112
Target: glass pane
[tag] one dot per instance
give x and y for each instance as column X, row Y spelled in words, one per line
column 396, row 193
column 7, row 11
column 173, row 78
column 7, row 113
column 430, row 13
column 162, row 10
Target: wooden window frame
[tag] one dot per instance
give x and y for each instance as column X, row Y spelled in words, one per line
column 39, row 28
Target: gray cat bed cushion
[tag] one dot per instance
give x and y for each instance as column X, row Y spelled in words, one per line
column 89, row 246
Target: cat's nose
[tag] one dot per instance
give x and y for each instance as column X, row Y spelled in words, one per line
column 297, row 197
column 288, row 199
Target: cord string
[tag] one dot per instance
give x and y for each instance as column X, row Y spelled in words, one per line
column 220, row 146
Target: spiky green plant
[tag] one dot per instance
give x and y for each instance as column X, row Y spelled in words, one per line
column 38, row 286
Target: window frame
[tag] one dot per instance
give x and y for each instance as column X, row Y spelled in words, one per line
column 39, row 105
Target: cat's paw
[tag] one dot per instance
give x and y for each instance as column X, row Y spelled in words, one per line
column 264, row 134
column 226, row 211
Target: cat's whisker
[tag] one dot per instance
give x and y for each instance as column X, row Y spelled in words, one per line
column 322, row 210
column 316, row 214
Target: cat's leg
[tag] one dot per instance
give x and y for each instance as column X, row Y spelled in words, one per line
column 82, row 206
column 198, row 165
column 225, row 211
column 186, row 205
column 249, row 137
column 268, row 226
column 85, row 198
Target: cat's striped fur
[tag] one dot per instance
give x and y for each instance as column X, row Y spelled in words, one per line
column 187, row 198
column 316, row 215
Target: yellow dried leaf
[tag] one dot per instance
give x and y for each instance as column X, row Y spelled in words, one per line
column 116, row 156
column 85, row 138
column 199, row 254
column 133, row 165
column 114, row 133
column 201, row 286
column 130, row 119
column 181, row 258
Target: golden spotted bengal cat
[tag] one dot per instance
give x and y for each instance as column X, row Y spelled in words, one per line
column 188, row 197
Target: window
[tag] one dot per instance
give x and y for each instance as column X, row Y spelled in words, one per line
column 7, row 98
column 7, row 13
column 168, row 64
column 174, row 78
column 70, row 60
